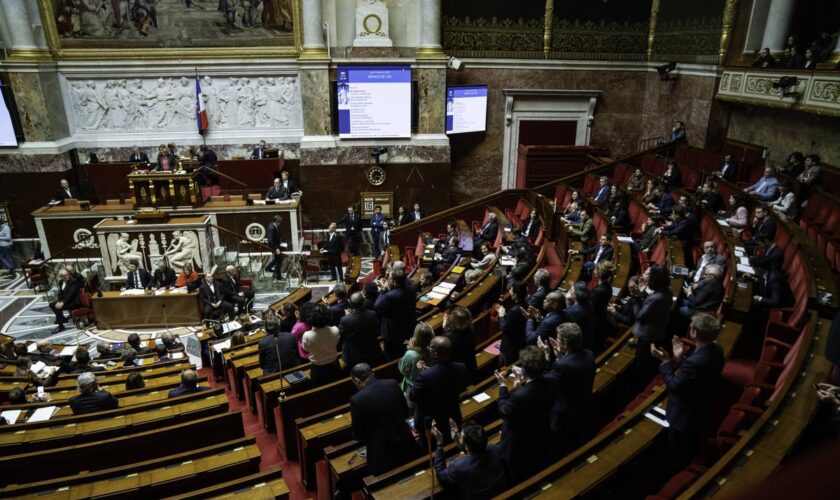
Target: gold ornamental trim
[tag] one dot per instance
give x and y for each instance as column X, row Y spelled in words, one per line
column 372, row 17
column 250, row 51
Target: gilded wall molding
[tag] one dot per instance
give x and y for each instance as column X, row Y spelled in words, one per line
column 817, row 93
column 234, row 51
column 654, row 15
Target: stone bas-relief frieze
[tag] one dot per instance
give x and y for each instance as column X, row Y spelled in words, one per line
column 169, row 104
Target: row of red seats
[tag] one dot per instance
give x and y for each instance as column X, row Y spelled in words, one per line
column 821, row 220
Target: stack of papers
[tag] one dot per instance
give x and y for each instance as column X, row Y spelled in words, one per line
column 624, row 239
column 68, row 350
column 221, row 345
column 42, row 414
column 231, row 326
column 437, row 295
column 741, row 268
column 11, row 416
column 481, row 397
column 133, row 291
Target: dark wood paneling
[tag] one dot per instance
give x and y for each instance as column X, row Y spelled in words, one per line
column 329, row 189
column 27, row 192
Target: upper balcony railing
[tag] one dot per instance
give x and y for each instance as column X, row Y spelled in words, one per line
column 796, row 89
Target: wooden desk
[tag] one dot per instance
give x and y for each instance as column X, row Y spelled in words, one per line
column 131, row 311
column 172, row 189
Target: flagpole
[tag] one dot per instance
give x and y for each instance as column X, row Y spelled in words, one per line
column 203, row 133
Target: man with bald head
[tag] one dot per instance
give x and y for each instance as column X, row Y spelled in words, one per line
column 66, row 192
column 233, row 292
column 189, row 384
column 68, row 298
column 437, row 390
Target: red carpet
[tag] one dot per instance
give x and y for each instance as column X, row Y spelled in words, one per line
column 267, row 444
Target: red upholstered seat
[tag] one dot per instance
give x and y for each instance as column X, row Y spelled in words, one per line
column 553, row 262
column 84, row 311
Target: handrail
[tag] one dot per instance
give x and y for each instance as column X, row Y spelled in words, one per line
column 257, row 243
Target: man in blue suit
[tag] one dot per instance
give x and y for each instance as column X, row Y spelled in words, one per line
column 189, row 384
column 525, row 410
column 376, row 229
column 398, row 317
column 542, row 325
column 437, row 391
column 692, row 383
column 571, row 376
column 480, row 473
column 602, row 196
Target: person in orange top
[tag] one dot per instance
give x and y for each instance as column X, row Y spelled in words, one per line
column 186, row 277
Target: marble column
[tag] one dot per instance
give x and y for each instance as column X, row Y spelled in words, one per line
column 430, row 30
column 779, row 19
column 18, row 24
column 313, row 34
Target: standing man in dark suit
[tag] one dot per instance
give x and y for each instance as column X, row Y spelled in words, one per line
column 277, row 341
column 525, row 410
column 66, row 191
column 137, row 278
column 277, row 245
column 488, row 232
column 210, row 295
column 579, row 311
column 437, row 391
column 543, row 324
column 68, row 298
column 480, row 473
column 652, row 318
column 359, row 332
column 352, row 230
column 378, row 413
column 333, row 246
column 692, row 383
column 415, row 214
column 163, row 277
column 258, row 153
column 90, row 398
column 398, row 317
column 542, row 279
column 233, row 292
column 208, row 161
column 571, row 376
column 287, row 187
column 138, row 156
column 339, row 307
column 377, row 226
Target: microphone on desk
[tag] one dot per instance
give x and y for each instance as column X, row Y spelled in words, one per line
column 427, row 428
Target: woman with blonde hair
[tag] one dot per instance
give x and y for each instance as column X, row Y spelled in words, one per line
column 418, row 351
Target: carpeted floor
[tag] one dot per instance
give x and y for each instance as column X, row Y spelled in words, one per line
column 267, row 444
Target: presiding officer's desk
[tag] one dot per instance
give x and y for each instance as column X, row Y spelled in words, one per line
column 114, row 310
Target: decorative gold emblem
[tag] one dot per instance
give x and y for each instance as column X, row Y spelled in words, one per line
column 372, row 24
column 376, row 176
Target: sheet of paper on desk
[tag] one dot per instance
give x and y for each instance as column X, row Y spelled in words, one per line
column 723, row 223
column 744, row 260
column 231, row 326
column 176, row 355
column 133, row 291
column 259, row 202
column 37, row 367
column 11, row 416
column 42, row 414
column 437, row 296
column 68, row 350
column 744, row 269
column 739, row 251
column 481, row 397
column 624, row 239
column 441, row 290
column 221, row 345
column 446, row 285
column 32, row 347
column 508, row 261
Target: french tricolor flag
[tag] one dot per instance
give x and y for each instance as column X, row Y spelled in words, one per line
column 200, row 109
